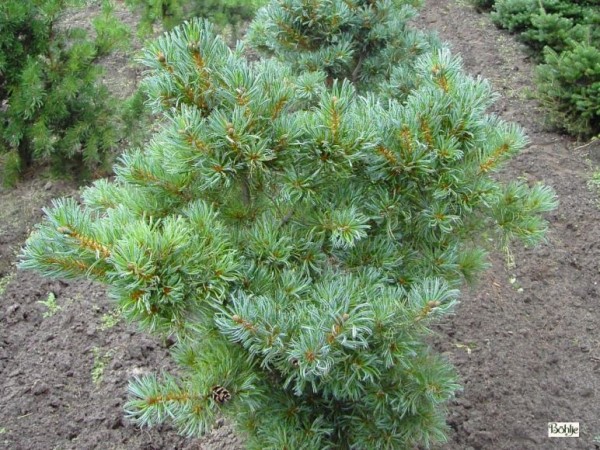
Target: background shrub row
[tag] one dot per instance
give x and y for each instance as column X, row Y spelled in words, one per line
column 564, row 36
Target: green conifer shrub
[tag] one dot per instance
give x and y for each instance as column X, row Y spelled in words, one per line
column 483, row 5
column 569, row 86
column 565, row 36
column 550, row 23
column 54, row 109
column 297, row 240
column 358, row 40
column 171, row 13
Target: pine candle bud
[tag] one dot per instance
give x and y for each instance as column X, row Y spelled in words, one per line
column 64, row 230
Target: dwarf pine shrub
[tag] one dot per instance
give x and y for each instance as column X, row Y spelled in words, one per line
column 54, row 108
column 297, row 239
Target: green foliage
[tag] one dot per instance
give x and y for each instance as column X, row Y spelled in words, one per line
column 552, row 23
column 54, row 107
column 566, row 36
column 231, row 13
column 483, row 5
column 172, row 12
column 297, row 239
column 359, row 40
column 20, row 35
column 569, row 85
column 136, row 119
column 10, row 162
column 110, row 33
column 168, row 12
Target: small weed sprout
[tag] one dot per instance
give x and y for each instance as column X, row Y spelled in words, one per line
column 51, row 305
column 4, row 281
column 593, row 183
column 100, row 362
column 110, row 319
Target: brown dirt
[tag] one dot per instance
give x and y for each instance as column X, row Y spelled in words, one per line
column 524, row 340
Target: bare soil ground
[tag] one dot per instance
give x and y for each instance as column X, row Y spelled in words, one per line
column 525, row 339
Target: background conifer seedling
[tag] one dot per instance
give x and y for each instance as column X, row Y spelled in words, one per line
column 54, row 108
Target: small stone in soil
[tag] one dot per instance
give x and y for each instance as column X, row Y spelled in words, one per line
column 135, row 352
column 40, row 388
column 116, row 422
column 116, row 365
column 588, row 392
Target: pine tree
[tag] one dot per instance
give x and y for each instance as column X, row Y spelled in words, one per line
column 569, row 86
column 565, row 38
column 297, row 239
column 359, row 40
column 550, row 23
column 54, row 109
column 171, row 13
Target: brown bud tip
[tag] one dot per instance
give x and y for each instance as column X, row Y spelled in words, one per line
column 345, row 316
column 433, row 304
column 161, row 58
column 236, row 318
column 63, row 230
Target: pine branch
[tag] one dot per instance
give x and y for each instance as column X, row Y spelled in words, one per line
column 246, row 197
